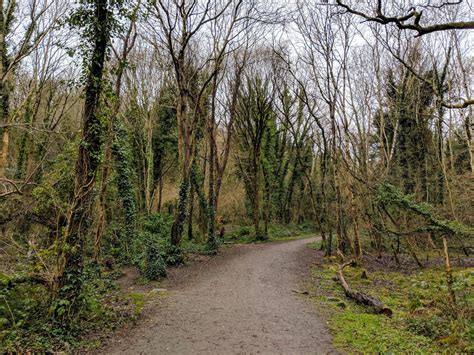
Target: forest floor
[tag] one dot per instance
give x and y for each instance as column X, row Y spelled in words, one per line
column 424, row 320
column 246, row 300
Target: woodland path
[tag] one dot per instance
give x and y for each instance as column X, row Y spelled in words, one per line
column 242, row 301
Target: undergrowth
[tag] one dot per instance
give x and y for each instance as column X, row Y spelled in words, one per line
column 423, row 321
column 32, row 320
column 276, row 232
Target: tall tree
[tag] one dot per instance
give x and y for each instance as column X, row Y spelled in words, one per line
column 254, row 112
column 95, row 18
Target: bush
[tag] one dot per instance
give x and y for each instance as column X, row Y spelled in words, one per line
column 20, row 306
column 158, row 252
column 155, row 266
column 243, row 231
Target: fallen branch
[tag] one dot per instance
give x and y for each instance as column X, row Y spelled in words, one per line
column 360, row 297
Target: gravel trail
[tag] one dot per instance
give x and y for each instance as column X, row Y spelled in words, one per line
column 241, row 302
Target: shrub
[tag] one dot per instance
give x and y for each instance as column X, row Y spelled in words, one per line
column 20, row 305
column 158, row 252
column 155, row 266
column 32, row 319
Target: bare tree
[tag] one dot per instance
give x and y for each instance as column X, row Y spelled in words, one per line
column 412, row 20
column 16, row 43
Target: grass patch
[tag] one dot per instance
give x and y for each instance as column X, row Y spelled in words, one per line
column 371, row 333
column 423, row 319
column 315, row 245
column 276, row 232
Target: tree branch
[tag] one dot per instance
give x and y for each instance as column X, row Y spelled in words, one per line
column 402, row 24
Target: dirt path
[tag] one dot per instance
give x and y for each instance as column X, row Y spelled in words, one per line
column 240, row 302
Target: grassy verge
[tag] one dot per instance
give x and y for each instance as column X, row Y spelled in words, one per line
column 276, row 232
column 424, row 321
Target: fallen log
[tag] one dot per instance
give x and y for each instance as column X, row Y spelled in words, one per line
column 361, row 297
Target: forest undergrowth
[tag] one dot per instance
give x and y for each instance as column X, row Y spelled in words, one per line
column 423, row 319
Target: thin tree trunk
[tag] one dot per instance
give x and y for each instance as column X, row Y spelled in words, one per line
column 449, row 273
column 256, row 199
column 4, row 151
column 190, row 216
column 4, row 92
column 211, row 233
column 160, row 194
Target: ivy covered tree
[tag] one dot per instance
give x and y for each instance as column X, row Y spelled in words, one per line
column 254, row 113
column 97, row 21
column 406, row 124
column 165, row 144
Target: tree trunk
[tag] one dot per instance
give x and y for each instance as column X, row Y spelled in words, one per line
column 267, row 205
column 449, row 273
column 177, row 227
column 4, row 93
column 184, row 150
column 4, row 151
column 160, row 194
column 78, row 219
column 190, row 216
column 256, row 200
column 211, row 233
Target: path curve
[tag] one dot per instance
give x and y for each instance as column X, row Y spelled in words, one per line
column 241, row 302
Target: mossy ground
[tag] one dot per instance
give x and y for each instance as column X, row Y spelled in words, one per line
column 424, row 320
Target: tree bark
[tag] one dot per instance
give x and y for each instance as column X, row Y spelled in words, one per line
column 256, row 199
column 4, row 151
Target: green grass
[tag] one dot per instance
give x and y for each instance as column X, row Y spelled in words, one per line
column 423, row 320
column 315, row 245
column 371, row 333
column 276, row 232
